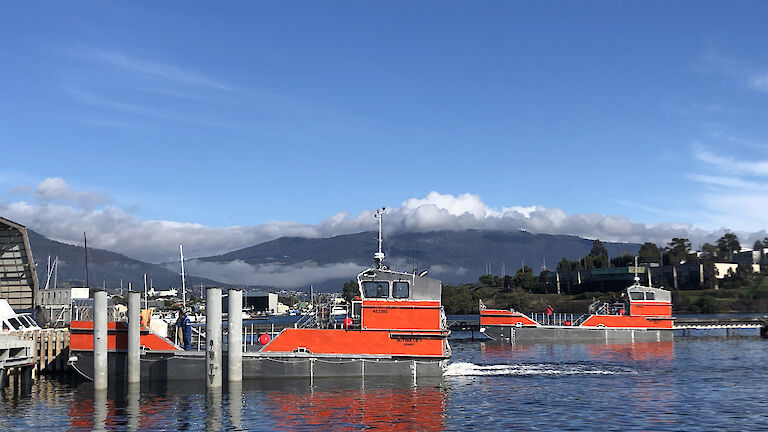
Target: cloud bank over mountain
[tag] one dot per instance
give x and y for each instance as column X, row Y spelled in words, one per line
column 62, row 213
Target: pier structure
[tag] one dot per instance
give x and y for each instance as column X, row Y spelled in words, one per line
column 728, row 324
column 17, row 359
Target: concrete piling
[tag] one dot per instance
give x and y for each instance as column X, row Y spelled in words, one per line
column 100, row 340
column 134, row 337
column 235, row 335
column 213, row 337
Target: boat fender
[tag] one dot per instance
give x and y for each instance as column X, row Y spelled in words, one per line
column 347, row 323
column 568, row 323
column 264, row 339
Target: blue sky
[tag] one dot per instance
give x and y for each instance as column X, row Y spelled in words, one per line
column 251, row 113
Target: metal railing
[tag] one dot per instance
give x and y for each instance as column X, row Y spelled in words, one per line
column 556, row 319
column 250, row 335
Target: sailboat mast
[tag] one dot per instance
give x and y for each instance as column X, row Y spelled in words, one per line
column 85, row 243
column 183, row 281
column 145, row 292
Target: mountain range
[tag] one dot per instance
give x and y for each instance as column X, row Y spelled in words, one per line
column 452, row 256
column 104, row 267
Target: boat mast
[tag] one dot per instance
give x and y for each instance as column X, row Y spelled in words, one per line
column 378, row 257
column 85, row 243
column 183, row 282
column 145, row 292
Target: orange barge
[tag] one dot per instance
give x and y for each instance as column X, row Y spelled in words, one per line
column 642, row 314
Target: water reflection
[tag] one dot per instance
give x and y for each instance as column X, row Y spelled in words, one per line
column 100, row 410
column 235, row 405
column 213, row 402
column 617, row 351
column 349, row 404
column 133, row 412
column 294, row 404
column 642, row 386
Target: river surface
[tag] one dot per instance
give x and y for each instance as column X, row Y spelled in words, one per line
column 702, row 382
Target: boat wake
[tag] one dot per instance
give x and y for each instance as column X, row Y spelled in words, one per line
column 470, row 369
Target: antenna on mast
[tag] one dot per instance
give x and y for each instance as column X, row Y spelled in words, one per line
column 637, row 278
column 378, row 257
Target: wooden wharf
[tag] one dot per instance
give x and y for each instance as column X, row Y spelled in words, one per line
column 33, row 352
column 16, row 359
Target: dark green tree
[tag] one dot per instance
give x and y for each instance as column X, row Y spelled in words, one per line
column 524, row 279
column 598, row 256
column 678, row 250
column 564, row 265
column 598, row 249
column 745, row 273
column 350, row 291
column 708, row 252
column 623, row 260
column 485, row 279
column 648, row 253
column 727, row 245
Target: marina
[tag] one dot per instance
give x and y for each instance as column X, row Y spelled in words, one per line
column 672, row 385
column 395, row 326
column 384, row 216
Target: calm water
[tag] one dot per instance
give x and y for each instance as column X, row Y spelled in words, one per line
column 692, row 383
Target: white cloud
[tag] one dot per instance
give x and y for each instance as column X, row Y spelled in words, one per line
column 753, row 75
column 728, row 182
column 738, row 196
column 441, row 270
column 729, row 164
column 62, row 214
column 759, row 82
column 278, row 276
column 56, row 189
column 157, row 69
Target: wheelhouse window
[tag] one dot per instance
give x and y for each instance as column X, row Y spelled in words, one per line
column 376, row 289
column 649, row 295
column 635, row 295
column 400, row 290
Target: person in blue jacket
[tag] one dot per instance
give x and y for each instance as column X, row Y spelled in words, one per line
column 186, row 329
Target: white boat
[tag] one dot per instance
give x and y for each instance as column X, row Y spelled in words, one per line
column 339, row 310
column 12, row 321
